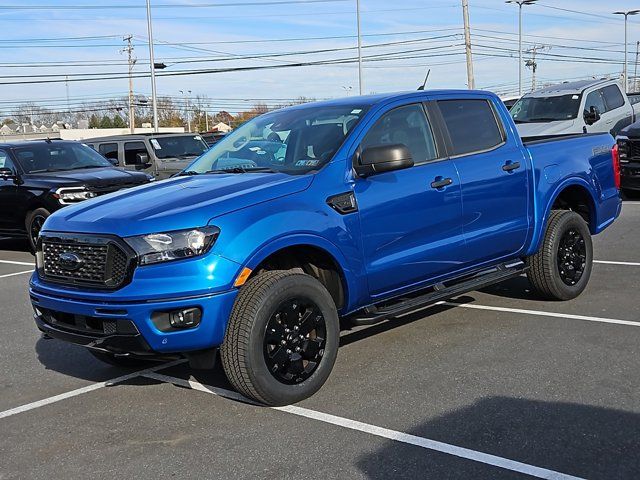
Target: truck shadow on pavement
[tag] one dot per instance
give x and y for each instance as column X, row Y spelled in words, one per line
column 14, row 245
column 582, row 440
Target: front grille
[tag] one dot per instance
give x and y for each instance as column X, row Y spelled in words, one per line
column 633, row 149
column 105, row 189
column 97, row 262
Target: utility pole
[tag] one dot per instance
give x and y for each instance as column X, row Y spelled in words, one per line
column 531, row 63
column 467, row 43
column 359, row 47
column 626, row 17
column 520, row 4
column 132, row 61
column 187, row 107
column 154, row 97
column 635, row 70
column 206, row 120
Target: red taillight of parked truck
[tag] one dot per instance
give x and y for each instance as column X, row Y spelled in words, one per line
column 615, row 157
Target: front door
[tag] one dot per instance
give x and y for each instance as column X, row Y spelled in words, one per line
column 9, row 208
column 410, row 219
column 494, row 178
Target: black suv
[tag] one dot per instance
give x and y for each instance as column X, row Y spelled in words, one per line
column 39, row 177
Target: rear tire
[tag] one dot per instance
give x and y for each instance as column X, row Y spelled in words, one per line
column 33, row 223
column 561, row 268
column 123, row 362
column 282, row 338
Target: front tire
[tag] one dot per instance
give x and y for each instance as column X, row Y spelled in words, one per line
column 561, row 268
column 33, row 224
column 282, row 338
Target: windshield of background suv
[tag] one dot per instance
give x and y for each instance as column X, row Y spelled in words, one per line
column 55, row 157
column 293, row 141
column 546, row 109
column 179, row 146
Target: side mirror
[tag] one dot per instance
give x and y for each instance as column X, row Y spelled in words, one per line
column 142, row 159
column 384, row 158
column 7, row 174
column 592, row 116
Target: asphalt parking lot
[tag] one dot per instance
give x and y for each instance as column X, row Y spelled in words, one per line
column 495, row 384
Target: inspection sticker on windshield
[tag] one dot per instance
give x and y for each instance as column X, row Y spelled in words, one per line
column 155, row 144
column 307, row 163
column 575, row 97
column 356, row 111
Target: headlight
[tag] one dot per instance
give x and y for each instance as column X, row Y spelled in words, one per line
column 68, row 195
column 164, row 247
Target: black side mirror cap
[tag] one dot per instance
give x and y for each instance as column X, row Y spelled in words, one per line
column 142, row 159
column 383, row 158
column 592, row 116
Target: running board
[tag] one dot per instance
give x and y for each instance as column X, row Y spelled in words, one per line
column 374, row 314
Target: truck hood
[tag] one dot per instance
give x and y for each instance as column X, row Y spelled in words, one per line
column 173, row 204
column 546, row 128
column 95, row 177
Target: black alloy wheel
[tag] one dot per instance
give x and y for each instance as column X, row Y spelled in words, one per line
column 294, row 340
column 572, row 256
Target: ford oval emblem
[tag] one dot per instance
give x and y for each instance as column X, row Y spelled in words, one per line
column 70, row 261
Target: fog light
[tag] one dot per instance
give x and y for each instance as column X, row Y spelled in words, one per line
column 187, row 318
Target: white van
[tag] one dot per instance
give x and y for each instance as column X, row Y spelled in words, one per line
column 587, row 106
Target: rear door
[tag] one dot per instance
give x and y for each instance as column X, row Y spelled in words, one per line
column 10, row 209
column 493, row 179
column 411, row 230
column 619, row 113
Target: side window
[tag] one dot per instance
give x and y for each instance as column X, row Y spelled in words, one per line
column 613, row 97
column 595, row 99
column 408, row 126
column 472, row 125
column 109, row 150
column 5, row 161
column 131, row 149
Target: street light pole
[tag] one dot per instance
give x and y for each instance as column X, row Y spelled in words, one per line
column 471, row 84
column 520, row 4
column 626, row 16
column 154, row 99
column 359, row 47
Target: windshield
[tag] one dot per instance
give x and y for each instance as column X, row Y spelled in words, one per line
column 182, row 146
column 55, row 157
column 546, row 109
column 293, row 141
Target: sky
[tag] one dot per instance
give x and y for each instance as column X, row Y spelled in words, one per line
column 47, row 40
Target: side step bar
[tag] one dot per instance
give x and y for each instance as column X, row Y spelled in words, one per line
column 437, row 293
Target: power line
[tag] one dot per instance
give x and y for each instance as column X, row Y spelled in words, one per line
column 166, row 5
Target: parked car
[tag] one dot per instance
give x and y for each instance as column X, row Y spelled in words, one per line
column 634, row 98
column 628, row 142
column 212, row 137
column 40, row 177
column 363, row 209
column 588, row 106
column 158, row 154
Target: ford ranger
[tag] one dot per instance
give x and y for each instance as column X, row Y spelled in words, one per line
column 355, row 210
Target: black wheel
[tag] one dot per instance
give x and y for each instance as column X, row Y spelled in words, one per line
column 124, row 362
column 282, row 338
column 560, row 270
column 33, row 224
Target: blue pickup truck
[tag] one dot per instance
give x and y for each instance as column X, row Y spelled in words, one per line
column 347, row 212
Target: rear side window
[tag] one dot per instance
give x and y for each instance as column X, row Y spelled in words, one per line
column 613, row 97
column 131, row 149
column 472, row 125
column 406, row 126
column 5, row 162
column 109, row 150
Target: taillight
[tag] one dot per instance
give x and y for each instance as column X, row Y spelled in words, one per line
column 615, row 157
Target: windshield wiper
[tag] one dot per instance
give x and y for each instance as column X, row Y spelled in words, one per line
column 187, row 173
column 242, row 170
column 48, row 170
column 544, row 119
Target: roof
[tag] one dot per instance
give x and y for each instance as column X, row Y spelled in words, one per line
column 129, row 136
column 26, row 143
column 568, row 88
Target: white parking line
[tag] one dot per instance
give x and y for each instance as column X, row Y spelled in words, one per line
column 88, row 388
column 394, row 435
column 15, row 273
column 608, row 262
column 543, row 313
column 14, row 262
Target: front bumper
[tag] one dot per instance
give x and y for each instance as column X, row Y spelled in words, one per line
column 630, row 175
column 126, row 327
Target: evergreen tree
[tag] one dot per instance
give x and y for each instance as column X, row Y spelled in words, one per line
column 94, row 121
column 118, row 121
column 106, row 122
